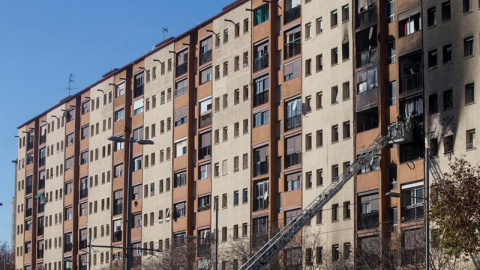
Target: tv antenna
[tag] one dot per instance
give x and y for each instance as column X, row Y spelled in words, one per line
column 70, row 81
column 164, row 31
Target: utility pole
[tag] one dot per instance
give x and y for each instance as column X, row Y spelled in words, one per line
column 216, row 236
column 427, row 201
column 128, row 250
column 89, row 251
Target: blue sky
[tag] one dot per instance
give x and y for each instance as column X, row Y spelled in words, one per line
column 42, row 42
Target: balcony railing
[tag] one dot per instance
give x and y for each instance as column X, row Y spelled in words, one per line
column 117, row 209
column 205, row 57
column 117, row 236
column 293, row 48
column 260, row 168
column 293, row 159
column 260, row 63
column 411, row 82
column 67, row 247
column 368, row 220
column 83, row 193
column 181, row 90
column 82, row 244
column 260, row 98
column 412, row 212
column 293, row 122
column 367, row 17
column 181, row 69
column 204, row 152
column 292, row 14
column 367, row 57
column 205, row 120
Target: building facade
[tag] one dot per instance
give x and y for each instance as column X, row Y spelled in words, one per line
column 252, row 114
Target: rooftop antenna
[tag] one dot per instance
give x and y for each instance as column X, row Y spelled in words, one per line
column 164, row 31
column 70, row 81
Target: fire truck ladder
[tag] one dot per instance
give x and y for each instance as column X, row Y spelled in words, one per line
column 396, row 133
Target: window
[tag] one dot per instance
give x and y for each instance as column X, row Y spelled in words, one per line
column 412, row 202
column 260, row 196
column 138, row 133
column 292, row 45
column 293, row 181
column 206, row 75
column 334, row 133
column 70, row 138
column 334, row 56
column 367, row 80
column 433, row 104
column 85, row 107
column 224, row 200
column 181, row 87
column 138, row 85
column 179, row 209
column 70, row 115
column 293, row 113
column 410, row 25
column 346, row 210
column 308, row 29
column 225, row 101
column 432, row 59
column 447, row 100
column 308, row 67
column 448, row 144
column 138, row 106
column 260, row 118
column 180, row 179
column 345, row 13
column 246, row 24
column 346, row 251
column 392, row 93
column 390, row 11
column 68, row 164
column 225, row 68
column 119, row 114
column 333, row 18
column 319, row 62
column 470, row 139
column 225, row 36
column 319, row 140
column 346, row 90
column 391, row 52
column 85, row 132
column 447, row 53
column 319, row 25
column 261, row 14
column 236, row 63
column 334, row 212
column 467, row 6
column 308, row 141
column 292, row 70
column 469, row 93
column 319, row 255
column 235, row 198
column 346, row 130
column 137, row 163
column 204, row 203
column 431, row 20
column 118, row 170
column 468, row 47
column 261, row 87
column 446, row 11
column 180, row 116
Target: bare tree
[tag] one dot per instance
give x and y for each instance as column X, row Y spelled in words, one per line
column 7, row 256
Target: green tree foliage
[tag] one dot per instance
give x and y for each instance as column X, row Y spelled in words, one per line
column 455, row 209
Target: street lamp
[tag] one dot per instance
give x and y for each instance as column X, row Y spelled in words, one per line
column 130, row 142
column 427, row 225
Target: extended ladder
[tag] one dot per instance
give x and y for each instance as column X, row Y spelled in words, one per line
column 261, row 259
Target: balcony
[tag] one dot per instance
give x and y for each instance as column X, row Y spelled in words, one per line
column 260, row 98
column 204, row 152
column 411, row 82
column 82, row 244
column 293, row 159
column 117, row 209
column 67, row 247
column 83, row 193
column 117, row 236
column 181, row 90
column 367, row 58
column 292, row 48
column 368, row 220
column 260, row 63
column 205, row 120
column 181, row 69
column 40, row 254
column 260, row 168
column 367, row 17
column 412, row 212
column 205, row 57
column 293, row 122
column 292, row 14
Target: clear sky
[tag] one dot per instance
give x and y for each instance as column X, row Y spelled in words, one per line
column 42, row 42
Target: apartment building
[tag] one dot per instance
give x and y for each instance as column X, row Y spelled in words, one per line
column 252, row 114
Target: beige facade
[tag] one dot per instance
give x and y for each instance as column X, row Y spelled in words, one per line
column 328, row 123
column 20, row 198
column 232, row 124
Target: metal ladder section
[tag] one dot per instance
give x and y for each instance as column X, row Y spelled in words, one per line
column 264, row 255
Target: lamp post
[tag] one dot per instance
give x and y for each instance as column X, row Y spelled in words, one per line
column 128, row 239
column 427, row 222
